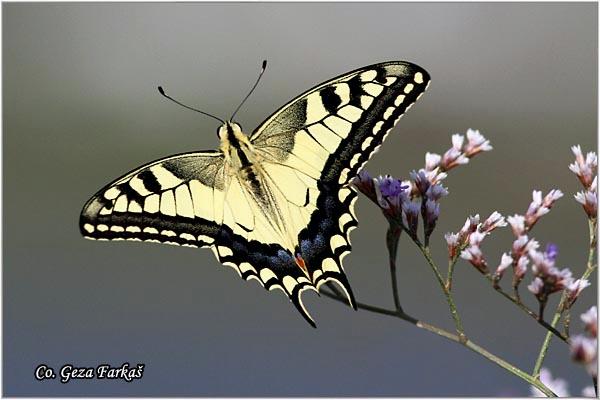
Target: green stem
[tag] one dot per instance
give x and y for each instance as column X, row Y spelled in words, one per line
column 453, row 310
column 392, row 239
column 452, row 337
column 591, row 266
column 451, row 264
column 527, row 310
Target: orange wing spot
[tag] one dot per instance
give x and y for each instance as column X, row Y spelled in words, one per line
column 300, row 262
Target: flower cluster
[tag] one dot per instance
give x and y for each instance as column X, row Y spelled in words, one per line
column 468, row 240
column 402, row 202
column 437, row 165
column 549, row 279
column 400, row 206
column 584, row 348
column 523, row 244
column 586, row 170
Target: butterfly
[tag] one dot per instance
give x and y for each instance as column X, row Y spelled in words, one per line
column 277, row 205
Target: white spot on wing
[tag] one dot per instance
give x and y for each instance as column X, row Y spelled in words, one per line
column 366, row 101
column 266, row 274
column 89, row 228
column 419, row 77
column 112, row 193
column 388, row 112
column 165, row 178
column 224, row 251
column 408, row 88
column 183, row 201
column 399, row 100
column 368, row 75
column 134, row 207
column 373, row 89
column 350, row 113
column 121, row 204
column 151, row 204
column 167, row 203
column 366, row 143
column 338, row 125
column 329, row 265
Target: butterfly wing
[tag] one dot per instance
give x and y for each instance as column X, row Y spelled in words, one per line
column 168, row 201
column 317, row 142
column 190, row 200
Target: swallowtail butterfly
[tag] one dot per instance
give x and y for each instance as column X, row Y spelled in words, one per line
column 276, row 205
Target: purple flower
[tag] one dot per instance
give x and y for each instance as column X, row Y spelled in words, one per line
column 551, row 251
column 364, row 183
column 411, row 211
column 436, row 192
column 390, row 187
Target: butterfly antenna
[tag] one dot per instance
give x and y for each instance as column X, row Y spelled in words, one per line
column 162, row 92
column 262, row 71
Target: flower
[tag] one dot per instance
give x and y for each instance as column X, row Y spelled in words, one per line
column 470, row 225
column 548, row 278
column 421, row 181
column 505, row 262
column 574, row 290
column 389, row 186
column 473, row 252
column 590, row 321
column 390, row 193
column 584, row 168
column 589, row 200
column 522, row 245
column 540, row 206
column 558, row 385
column 410, row 214
column 476, row 143
column 436, row 192
column 453, row 241
column 364, row 183
column 495, row 220
column 536, row 287
column 588, row 391
column 551, row 251
column 517, row 224
column 584, row 351
column 432, row 161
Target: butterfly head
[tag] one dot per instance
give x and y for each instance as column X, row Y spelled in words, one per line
column 232, row 138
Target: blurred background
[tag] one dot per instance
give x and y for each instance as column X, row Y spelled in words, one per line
column 81, row 108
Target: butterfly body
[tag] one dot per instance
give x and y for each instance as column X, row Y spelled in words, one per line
column 276, row 205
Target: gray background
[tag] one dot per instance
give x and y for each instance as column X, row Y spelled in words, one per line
column 81, row 108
